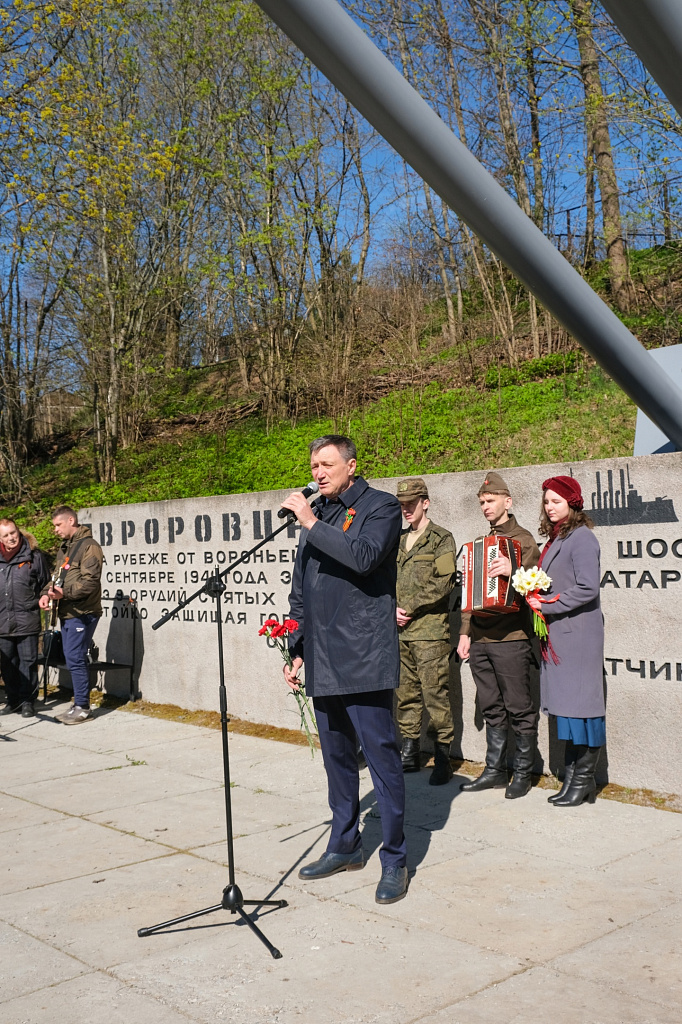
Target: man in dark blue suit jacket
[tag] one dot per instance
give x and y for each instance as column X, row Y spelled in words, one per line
column 343, row 598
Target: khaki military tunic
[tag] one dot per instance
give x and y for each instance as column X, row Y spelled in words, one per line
column 426, row 577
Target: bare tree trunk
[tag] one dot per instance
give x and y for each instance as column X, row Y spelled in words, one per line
column 364, row 248
column 548, row 330
column 446, row 41
column 534, row 110
column 454, row 266
column 486, row 14
column 597, row 124
column 589, row 251
column 406, row 60
column 442, row 269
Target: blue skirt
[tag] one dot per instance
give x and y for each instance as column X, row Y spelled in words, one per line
column 589, row 732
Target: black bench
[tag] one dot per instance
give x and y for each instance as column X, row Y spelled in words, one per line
column 96, row 667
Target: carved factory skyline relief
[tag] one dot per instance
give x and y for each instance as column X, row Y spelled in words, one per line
column 624, row 506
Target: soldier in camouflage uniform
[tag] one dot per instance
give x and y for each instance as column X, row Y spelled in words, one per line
column 426, row 577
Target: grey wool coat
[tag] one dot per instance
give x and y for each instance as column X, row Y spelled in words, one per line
column 575, row 687
column 343, row 594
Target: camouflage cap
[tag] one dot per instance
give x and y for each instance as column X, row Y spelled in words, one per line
column 493, row 484
column 413, row 488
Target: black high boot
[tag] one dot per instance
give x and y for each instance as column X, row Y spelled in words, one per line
column 410, row 756
column 495, row 774
column 524, row 759
column 442, row 769
column 569, row 768
column 582, row 786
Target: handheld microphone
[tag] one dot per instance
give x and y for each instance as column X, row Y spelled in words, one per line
column 312, row 488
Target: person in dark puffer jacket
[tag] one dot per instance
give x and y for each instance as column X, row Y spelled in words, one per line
column 23, row 574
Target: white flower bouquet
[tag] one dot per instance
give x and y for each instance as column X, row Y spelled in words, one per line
column 530, row 583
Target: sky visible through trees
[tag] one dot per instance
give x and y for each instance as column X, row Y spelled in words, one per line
column 178, row 186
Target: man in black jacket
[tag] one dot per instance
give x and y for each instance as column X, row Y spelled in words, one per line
column 343, row 598
column 23, row 573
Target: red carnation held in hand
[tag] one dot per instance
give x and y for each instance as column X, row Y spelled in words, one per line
column 277, row 631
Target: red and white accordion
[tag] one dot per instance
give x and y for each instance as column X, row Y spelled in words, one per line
column 482, row 593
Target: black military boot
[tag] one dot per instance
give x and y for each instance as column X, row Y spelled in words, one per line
column 569, row 767
column 495, row 774
column 442, row 769
column 524, row 759
column 583, row 786
column 410, row 756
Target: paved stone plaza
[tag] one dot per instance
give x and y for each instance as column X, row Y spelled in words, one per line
column 517, row 911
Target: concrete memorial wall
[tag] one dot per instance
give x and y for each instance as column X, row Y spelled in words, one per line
column 160, row 552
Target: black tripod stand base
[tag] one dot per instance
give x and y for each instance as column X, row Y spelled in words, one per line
column 234, row 902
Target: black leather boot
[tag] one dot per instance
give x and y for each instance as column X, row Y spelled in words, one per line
column 524, row 759
column 569, row 767
column 582, row 786
column 495, row 774
column 410, row 756
column 442, row 769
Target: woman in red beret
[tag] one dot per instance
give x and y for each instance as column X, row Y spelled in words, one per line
column 572, row 675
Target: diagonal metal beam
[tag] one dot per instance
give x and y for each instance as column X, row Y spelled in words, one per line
column 349, row 59
column 653, row 28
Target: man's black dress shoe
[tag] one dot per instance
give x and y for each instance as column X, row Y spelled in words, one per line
column 9, row 710
column 331, row 863
column 392, row 886
column 27, row 710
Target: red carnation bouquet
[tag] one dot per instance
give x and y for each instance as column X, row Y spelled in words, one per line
column 279, row 631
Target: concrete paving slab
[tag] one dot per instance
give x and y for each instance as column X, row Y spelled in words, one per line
column 292, row 772
column 659, row 866
column 255, row 748
column 20, row 730
column 178, row 821
column 111, row 730
column 532, row 910
column 27, row 767
column 92, row 999
column 197, row 819
column 66, row 849
column 643, row 957
column 340, row 965
column 195, row 755
column 15, row 813
column 107, row 789
column 273, row 853
column 589, row 836
column 541, row 995
column 28, row 964
column 96, row 917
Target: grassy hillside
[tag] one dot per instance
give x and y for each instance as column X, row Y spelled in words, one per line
column 509, row 420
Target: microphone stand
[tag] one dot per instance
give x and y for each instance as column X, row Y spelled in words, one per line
column 232, row 898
